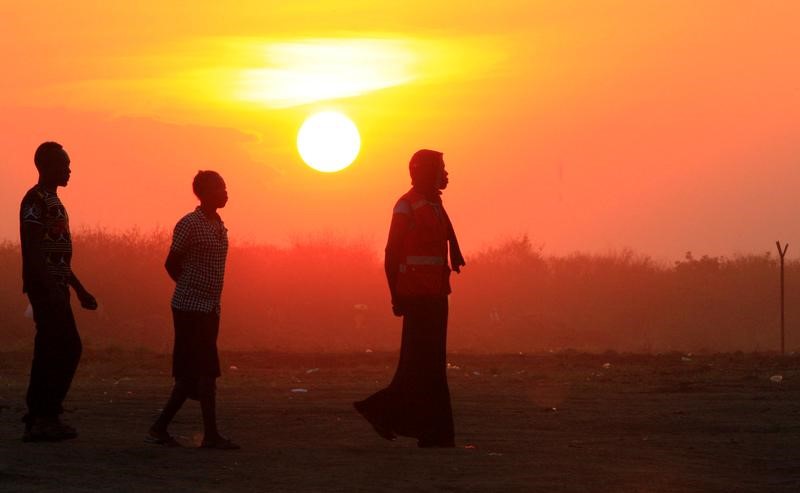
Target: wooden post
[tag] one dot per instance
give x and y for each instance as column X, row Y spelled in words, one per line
column 782, row 253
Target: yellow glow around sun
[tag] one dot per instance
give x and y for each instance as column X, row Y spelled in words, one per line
column 318, row 69
column 328, row 141
column 229, row 77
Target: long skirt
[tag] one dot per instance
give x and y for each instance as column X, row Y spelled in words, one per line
column 417, row 401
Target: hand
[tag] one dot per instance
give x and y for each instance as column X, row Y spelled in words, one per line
column 457, row 261
column 87, row 300
column 398, row 307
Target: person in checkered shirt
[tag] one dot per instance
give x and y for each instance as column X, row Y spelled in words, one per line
column 196, row 262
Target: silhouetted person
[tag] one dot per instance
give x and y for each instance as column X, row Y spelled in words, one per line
column 196, row 262
column 417, row 401
column 46, row 276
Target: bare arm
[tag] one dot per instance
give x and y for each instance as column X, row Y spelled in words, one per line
column 75, row 283
column 181, row 240
column 174, row 264
column 87, row 300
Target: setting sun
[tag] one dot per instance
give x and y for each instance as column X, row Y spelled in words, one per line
column 328, row 141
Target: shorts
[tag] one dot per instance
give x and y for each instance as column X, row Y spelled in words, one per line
column 194, row 354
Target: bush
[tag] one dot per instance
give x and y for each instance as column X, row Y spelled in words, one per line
column 320, row 294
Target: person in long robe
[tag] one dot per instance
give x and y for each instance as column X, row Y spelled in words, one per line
column 417, row 401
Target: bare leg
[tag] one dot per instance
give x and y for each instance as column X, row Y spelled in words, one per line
column 179, row 394
column 207, row 391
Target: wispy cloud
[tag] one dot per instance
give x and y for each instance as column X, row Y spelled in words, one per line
column 280, row 73
column 295, row 73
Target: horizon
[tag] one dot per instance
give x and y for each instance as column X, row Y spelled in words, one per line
column 322, row 295
column 164, row 232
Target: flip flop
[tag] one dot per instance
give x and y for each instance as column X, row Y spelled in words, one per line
column 164, row 439
column 47, row 430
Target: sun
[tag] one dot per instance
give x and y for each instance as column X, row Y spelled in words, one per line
column 328, row 141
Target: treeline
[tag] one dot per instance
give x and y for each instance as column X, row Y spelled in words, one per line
column 326, row 295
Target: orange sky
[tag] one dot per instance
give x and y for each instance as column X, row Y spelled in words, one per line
column 659, row 126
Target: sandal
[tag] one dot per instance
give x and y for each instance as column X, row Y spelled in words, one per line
column 47, row 430
column 219, row 443
column 161, row 438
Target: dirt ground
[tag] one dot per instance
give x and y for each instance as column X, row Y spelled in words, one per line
column 545, row 422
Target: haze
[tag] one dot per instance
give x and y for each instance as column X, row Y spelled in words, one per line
column 658, row 126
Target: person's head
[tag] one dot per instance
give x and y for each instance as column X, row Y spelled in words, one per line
column 210, row 189
column 427, row 170
column 52, row 162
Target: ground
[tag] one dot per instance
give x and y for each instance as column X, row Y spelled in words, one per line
column 544, row 422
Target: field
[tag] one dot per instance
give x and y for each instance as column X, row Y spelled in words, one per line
column 563, row 421
column 328, row 295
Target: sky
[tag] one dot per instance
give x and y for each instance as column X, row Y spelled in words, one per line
column 657, row 126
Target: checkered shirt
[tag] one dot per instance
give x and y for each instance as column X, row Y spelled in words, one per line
column 203, row 242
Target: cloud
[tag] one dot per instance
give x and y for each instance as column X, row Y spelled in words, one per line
column 225, row 73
